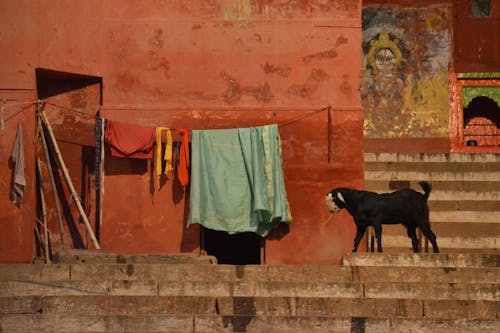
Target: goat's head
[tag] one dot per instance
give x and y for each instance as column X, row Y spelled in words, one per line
column 335, row 201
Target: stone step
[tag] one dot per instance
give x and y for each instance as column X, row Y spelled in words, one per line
column 323, row 273
column 462, row 291
column 256, row 306
column 455, row 187
column 454, row 260
column 215, row 323
column 465, row 216
column 430, row 176
column 432, row 158
column 441, row 271
column 428, row 167
column 73, row 256
column 444, row 242
column 479, row 236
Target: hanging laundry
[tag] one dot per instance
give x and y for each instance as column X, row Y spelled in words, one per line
column 128, row 140
column 100, row 125
column 182, row 168
column 167, row 157
column 17, row 157
column 237, row 182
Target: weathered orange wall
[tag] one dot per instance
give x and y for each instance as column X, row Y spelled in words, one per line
column 477, row 46
column 198, row 65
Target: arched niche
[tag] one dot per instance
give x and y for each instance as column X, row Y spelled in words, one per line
column 475, row 112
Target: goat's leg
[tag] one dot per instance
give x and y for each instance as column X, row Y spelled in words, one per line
column 414, row 239
column 378, row 236
column 360, row 231
column 426, row 229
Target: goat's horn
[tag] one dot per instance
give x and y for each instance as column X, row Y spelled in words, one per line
column 340, row 197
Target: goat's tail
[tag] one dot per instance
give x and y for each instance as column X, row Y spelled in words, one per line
column 427, row 188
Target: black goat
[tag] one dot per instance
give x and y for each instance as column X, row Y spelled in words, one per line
column 407, row 207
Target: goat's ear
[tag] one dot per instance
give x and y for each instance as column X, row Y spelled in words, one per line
column 340, row 197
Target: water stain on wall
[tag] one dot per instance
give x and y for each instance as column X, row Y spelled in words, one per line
column 283, row 71
column 235, row 91
column 328, row 54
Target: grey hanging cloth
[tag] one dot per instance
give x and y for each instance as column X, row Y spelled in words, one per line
column 17, row 158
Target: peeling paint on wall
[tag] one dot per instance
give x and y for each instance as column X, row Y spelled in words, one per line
column 238, row 10
column 235, row 91
column 404, row 87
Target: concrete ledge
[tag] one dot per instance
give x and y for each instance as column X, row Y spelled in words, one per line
column 320, row 273
column 128, row 305
column 215, row 323
column 369, row 268
column 436, row 158
column 427, row 275
column 20, row 304
column 422, row 259
column 328, row 324
column 60, row 288
column 35, row 272
column 432, row 291
column 93, row 324
column 261, row 289
column 207, row 273
column 75, row 256
column 250, row 306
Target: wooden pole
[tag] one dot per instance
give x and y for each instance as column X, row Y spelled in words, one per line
column 44, row 213
column 64, row 170
column 53, row 184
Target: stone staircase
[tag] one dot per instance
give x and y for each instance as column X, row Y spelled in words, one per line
column 368, row 292
column 464, row 203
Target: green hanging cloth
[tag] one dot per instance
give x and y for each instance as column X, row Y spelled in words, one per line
column 237, row 182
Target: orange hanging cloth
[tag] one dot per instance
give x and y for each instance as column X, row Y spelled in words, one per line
column 182, row 170
column 129, row 140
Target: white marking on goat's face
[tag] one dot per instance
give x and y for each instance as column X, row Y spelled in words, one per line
column 340, row 197
column 330, row 203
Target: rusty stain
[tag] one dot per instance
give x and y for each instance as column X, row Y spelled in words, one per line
column 292, row 7
column 196, row 27
column 341, row 40
column 262, row 92
column 345, row 86
column 126, row 82
column 157, row 40
column 328, row 54
column 332, row 53
column 301, row 90
column 157, row 62
column 78, row 99
column 319, row 75
column 283, row 71
column 234, row 92
column 311, row 84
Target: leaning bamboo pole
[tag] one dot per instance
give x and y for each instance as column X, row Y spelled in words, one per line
column 44, row 212
column 53, row 184
column 64, row 170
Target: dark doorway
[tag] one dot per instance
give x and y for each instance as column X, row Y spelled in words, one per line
column 236, row 249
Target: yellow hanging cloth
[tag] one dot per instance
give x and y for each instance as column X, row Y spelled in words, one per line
column 167, row 157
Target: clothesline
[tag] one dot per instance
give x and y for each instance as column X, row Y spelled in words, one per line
column 6, row 104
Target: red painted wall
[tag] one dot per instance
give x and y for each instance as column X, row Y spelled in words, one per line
column 194, row 65
column 477, row 46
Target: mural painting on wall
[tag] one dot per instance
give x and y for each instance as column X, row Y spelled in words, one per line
column 404, row 87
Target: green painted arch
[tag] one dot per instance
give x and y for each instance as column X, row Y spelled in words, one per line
column 469, row 93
